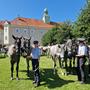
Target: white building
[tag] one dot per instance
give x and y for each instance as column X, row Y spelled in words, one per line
column 26, row 27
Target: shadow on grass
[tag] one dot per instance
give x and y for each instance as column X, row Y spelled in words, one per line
column 52, row 80
column 48, row 78
column 29, row 76
column 87, row 73
column 2, row 57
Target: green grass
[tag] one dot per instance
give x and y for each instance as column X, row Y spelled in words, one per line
column 49, row 81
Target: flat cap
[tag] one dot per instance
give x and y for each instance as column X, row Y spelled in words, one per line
column 35, row 42
column 81, row 39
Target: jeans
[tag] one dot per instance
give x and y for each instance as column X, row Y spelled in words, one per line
column 35, row 66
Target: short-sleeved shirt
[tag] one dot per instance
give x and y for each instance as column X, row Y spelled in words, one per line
column 35, row 53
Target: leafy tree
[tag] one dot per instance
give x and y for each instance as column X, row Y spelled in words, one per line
column 82, row 25
column 58, row 34
column 64, row 32
column 48, row 38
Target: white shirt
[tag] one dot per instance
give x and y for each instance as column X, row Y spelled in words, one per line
column 82, row 50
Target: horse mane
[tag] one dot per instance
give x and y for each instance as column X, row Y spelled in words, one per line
column 10, row 50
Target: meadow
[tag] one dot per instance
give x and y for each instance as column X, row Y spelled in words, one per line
column 49, row 81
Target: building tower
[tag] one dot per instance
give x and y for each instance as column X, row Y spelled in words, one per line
column 6, row 32
column 46, row 17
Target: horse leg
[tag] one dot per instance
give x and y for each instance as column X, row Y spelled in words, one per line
column 54, row 61
column 27, row 61
column 12, row 68
column 60, row 62
column 70, row 66
column 17, row 68
column 73, row 61
column 70, row 62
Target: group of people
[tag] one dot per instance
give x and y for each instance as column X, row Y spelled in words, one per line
column 82, row 53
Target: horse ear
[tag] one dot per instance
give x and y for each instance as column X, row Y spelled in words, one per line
column 30, row 38
column 14, row 37
column 23, row 38
column 59, row 46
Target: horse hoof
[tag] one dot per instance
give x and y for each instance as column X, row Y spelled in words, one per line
column 11, row 78
column 17, row 78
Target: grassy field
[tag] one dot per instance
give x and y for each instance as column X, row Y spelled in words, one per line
column 49, row 81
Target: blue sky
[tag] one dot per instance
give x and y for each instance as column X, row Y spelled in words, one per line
column 59, row 10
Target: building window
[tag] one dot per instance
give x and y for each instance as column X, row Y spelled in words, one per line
column 41, row 32
column 33, row 28
column 31, row 31
column 25, row 30
column 6, row 28
column 17, row 30
column 5, row 37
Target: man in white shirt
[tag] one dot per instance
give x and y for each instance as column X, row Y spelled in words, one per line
column 81, row 54
column 35, row 54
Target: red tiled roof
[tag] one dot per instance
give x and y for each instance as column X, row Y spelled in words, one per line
column 30, row 22
column 20, row 21
column 1, row 25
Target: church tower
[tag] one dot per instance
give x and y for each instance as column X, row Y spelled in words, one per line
column 46, row 17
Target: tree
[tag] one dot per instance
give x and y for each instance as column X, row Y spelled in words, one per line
column 48, row 38
column 82, row 25
column 64, row 32
column 58, row 34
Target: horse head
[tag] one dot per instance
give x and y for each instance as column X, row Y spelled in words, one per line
column 17, row 40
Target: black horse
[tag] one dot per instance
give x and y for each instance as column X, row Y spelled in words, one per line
column 26, row 51
column 14, row 52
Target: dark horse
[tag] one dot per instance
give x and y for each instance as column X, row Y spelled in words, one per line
column 70, row 53
column 14, row 53
column 26, row 51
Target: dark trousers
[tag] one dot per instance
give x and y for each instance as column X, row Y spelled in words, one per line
column 35, row 66
column 89, row 65
column 81, row 68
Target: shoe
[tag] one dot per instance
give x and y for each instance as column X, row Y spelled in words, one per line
column 82, row 82
column 37, row 84
column 17, row 78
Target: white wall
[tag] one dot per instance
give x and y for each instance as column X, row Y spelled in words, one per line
column 6, row 34
column 26, row 32
column 1, row 37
